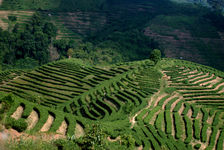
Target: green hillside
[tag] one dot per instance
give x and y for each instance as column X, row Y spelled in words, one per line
column 111, row 31
column 175, row 104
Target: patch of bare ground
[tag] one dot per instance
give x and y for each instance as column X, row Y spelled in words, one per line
column 153, row 119
column 210, row 119
column 18, row 113
column 13, row 135
column 63, row 128
column 205, row 79
column 32, row 119
column 140, row 148
column 203, row 145
column 174, row 104
column 157, row 99
column 1, row 2
column 212, row 82
column 202, row 76
column 181, row 109
column 199, row 116
column 53, row 53
column 168, row 99
column 193, row 75
column 218, row 86
column 114, row 140
column 111, row 104
column 216, row 139
column 79, row 131
column 146, row 114
column 209, row 132
column 191, row 72
column 189, row 113
column 47, row 124
column 221, row 91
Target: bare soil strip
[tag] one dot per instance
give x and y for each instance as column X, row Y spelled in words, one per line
column 47, row 124
column 153, row 119
column 181, row 109
column 216, row 139
column 204, row 80
column 217, row 87
column 32, row 120
column 18, row 113
column 190, row 76
column 158, row 99
column 191, row 72
column 199, row 77
column 62, row 129
column 174, row 104
column 168, row 99
column 79, row 131
column 212, row 82
column 209, row 132
column 189, row 113
column 114, row 140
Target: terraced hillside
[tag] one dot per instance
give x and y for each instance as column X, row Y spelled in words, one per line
column 22, row 17
column 173, row 105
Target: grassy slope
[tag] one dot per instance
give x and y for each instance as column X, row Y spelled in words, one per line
column 188, row 97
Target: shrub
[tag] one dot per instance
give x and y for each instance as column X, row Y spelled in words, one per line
column 155, row 55
column 19, row 125
column 197, row 146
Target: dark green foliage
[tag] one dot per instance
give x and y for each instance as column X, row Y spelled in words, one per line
column 19, row 125
column 168, row 122
column 12, row 18
column 178, row 125
column 7, row 102
column 95, row 138
column 196, row 127
column 155, row 55
column 32, row 42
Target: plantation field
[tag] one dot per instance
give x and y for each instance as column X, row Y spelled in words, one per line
column 174, row 105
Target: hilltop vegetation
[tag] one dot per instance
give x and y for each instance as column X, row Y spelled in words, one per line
column 173, row 105
column 107, row 32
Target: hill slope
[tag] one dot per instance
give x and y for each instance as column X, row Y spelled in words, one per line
column 175, row 104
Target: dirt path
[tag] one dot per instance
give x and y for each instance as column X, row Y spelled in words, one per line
column 132, row 119
column 79, row 131
column 47, row 124
column 189, row 113
column 216, row 139
column 168, row 99
column 18, row 113
column 181, row 109
column 221, row 84
column 201, row 76
column 212, row 82
column 175, row 103
column 32, row 119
